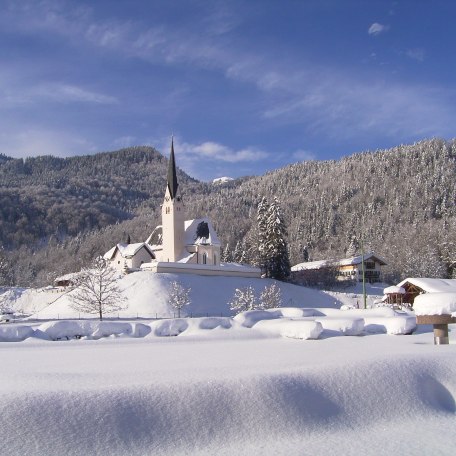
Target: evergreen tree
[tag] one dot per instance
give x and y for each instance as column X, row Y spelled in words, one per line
column 277, row 264
column 353, row 247
column 226, row 254
column 262, row 224
column 237, row 255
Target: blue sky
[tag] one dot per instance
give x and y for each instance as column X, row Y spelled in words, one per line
column 244, row 86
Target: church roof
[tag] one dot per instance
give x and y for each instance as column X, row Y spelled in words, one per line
column 172, row 175
column 200, row 231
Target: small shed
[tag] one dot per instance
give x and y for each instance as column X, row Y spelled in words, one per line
column 394, row 295
column 419, row 285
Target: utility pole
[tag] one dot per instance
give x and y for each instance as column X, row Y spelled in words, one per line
column 364, row 277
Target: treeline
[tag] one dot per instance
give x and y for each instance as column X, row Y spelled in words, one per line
column 399, row 202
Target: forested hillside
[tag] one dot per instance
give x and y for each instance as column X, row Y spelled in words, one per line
column 48, row 196
column 401, row 202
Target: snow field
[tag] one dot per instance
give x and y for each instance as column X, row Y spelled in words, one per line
column 376, row 395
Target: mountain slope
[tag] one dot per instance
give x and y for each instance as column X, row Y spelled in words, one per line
column 45, row 196
column 401, row 202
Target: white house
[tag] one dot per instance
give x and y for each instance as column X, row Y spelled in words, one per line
column 129, row 256
column 344, row 269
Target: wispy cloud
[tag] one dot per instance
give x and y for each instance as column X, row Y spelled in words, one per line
column 37, row 141
column 417, row 54
column 377, row 29
column 70, row 93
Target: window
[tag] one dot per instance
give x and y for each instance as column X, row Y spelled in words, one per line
column 369, row 264
column 204, row 258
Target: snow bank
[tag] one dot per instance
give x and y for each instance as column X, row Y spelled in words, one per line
column 345, row 326
column 370, row 396
column 295, row 329
column 67, row 329
column 390, row 325
column 435, row 304
column 10, row 333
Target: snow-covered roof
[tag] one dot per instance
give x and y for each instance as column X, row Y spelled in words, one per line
column 127, row 250
column 68, row 277
column 435, row 304
column 312, row 265
column 358, row 259
column 191, row 238
column 431, row 285
column 344, row 262
column 394, row 290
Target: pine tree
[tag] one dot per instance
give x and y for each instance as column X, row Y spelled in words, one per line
column 277, row 265
column 5, row 270
column 262, row 224
column 271, row 297
column 226, row 254
column 237, row 255
column 353, row 247
column 243, row 299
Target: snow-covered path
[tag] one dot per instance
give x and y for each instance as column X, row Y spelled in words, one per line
column 344, row 395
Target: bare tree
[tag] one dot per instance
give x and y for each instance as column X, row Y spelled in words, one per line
column 97, row 291
column 178, row 296
column 243, row 299
column 271, row 297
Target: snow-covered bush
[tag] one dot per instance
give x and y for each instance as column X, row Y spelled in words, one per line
column 178, row 297
column 270, row 297
column 243, row 299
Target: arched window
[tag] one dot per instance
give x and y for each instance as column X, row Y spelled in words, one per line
column 204, row 258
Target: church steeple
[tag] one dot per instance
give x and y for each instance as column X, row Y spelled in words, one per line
column 172, row 175
column 173, row 217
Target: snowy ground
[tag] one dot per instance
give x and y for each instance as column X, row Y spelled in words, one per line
column 146, row 295
column 229, row 392
column 310, row 379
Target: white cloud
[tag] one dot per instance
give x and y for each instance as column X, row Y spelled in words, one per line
column 71, row 93
column 417, row 54
column 376, row 29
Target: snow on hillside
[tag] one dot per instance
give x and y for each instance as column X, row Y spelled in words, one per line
column 222, row 180
column 147, row 292
column 186, row 395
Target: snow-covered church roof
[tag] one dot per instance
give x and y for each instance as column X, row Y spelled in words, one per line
column 200, row 231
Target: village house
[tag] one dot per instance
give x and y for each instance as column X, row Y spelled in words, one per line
column 342, row 270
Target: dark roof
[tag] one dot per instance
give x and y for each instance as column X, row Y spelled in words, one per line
column 172, row 176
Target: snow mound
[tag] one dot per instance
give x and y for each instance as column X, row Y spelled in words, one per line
column 15, row 333
column 295, row 329
column 435, row 304
column 396, row 325
column 68, row 329
column 189, row 326
column 345, row 326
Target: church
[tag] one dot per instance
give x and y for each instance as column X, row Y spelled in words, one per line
column 177, row 245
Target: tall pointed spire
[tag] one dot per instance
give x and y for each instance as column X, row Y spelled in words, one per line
column 172, row 175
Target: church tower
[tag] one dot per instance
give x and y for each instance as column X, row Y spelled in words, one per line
column 173, row 217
